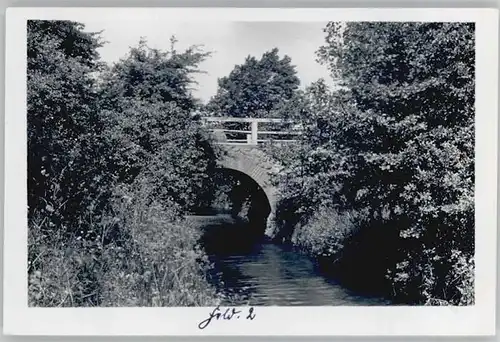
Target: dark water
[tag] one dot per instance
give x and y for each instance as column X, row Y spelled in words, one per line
column 253, row 271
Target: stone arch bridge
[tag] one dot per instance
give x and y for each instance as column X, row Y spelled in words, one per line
column 243, row 152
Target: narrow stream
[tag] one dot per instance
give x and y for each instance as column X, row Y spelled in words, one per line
column 258, row 272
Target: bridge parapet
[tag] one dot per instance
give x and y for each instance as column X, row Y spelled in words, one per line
column 286, row 131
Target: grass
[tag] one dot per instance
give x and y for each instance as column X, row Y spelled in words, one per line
column 141, row 256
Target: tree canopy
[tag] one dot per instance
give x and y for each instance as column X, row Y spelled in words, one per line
column 148, row 105
column 256, row 87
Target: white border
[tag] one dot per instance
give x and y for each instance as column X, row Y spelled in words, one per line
column 475, row 320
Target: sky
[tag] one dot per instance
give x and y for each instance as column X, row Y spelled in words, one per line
column 230, row 42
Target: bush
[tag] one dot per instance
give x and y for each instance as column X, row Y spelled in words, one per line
column 325, row 233
column 461, row 279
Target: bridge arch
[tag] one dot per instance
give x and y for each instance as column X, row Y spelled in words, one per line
column 255, row 164
column 246, row 156
column 248, row 199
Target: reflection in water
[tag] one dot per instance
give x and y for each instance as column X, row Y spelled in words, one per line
column 263, row 273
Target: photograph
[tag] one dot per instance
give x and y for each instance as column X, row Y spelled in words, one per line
column 242, row 163
column 234, row 165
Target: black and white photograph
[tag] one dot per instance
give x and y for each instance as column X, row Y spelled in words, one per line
column 235, row 165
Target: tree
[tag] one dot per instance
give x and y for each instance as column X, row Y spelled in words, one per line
column 396, row 146
column 147, row 105
column 153, row 75
column 413, row 84
column 65, row 148
column 68, row 183
column 114, row 161
column 256, row 87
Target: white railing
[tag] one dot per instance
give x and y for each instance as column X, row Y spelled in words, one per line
column 253, row 135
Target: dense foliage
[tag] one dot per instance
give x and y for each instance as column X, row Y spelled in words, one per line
column 65, row 160
column 392, row 148
column 115, row 160
column 256, row 87
column 380, row 186
column 147, row 106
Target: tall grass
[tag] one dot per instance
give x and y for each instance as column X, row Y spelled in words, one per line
column 141, row 255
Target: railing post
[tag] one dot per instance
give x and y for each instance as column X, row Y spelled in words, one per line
column 254, row 132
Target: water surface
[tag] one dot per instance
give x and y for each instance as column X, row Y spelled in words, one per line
column 253, row 271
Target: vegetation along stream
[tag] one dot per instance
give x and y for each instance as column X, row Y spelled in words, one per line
column 256, row 271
